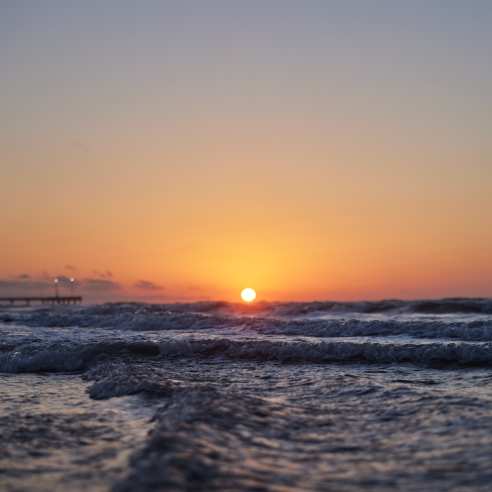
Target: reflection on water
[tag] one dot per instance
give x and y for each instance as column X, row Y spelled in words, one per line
column 54, row 437
column 297, row 397
column 250, row 426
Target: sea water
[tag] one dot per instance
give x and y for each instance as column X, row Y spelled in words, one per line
column 217, row 396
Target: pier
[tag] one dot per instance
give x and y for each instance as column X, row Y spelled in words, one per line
column 27, row 301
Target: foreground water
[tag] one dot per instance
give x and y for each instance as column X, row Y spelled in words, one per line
column 54, row 437
column 213, row 396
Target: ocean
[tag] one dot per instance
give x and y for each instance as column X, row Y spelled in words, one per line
column 320, row 396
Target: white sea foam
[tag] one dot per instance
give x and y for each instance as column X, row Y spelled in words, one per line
column 213, row 316
column 78, row 354
column 326, row 397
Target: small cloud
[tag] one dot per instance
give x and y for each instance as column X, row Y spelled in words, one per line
column 71, row 268
column 100, row 284
column 24, row 276
column 20, row 284
column 106, row 274
column 147, row 285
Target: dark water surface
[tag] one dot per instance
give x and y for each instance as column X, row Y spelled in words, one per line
column 212, row 396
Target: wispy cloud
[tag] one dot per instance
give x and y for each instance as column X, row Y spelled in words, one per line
column 107, row 274
column 147, row 285
column 25, row 284
column 100, row 284
column 21, row 284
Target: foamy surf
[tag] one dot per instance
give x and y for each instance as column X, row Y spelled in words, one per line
column 281, row 397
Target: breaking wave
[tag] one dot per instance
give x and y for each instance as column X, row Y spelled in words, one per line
column 391, row 306
column 77, row 338
column 36, row 357
column 139, row 313
column 202, row 317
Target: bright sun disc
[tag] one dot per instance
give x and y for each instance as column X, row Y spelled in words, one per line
column 248, row 294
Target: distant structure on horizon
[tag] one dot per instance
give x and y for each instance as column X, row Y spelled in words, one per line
column 27, row 301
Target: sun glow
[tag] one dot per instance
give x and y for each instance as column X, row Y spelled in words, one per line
column 248, row 294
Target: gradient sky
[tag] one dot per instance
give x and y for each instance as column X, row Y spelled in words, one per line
column 186, row 149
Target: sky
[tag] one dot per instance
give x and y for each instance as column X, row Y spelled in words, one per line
column 174, row 150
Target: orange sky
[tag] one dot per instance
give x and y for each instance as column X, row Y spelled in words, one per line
column 193, row 162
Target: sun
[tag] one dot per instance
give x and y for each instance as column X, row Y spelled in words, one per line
column 248, row 295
